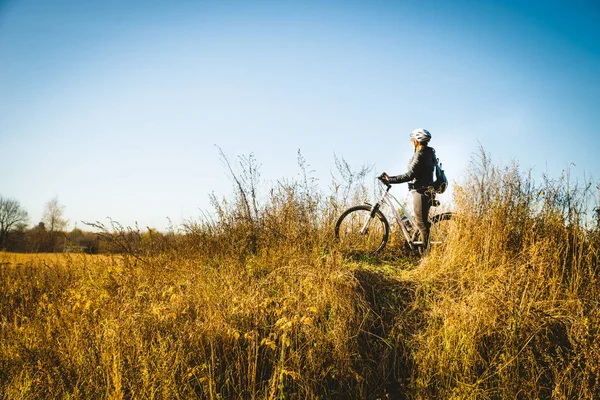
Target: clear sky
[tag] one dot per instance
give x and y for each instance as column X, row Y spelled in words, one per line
column 115, row 106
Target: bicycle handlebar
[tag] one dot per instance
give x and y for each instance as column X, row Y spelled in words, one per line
column 386, row 183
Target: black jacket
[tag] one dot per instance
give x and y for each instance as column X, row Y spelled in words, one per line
column 420, row 169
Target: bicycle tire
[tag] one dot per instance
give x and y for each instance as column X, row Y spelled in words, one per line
column 349, row 224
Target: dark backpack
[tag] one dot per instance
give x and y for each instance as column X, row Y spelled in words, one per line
column 441, row 182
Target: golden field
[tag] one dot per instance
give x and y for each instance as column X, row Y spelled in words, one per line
column 261, row 304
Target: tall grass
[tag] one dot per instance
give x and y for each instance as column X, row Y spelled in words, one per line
column 513, row 307
column 257, row 302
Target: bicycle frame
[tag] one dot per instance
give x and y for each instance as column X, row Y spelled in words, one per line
column 389, row 199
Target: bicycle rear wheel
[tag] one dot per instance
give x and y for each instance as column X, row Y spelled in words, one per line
column 358, row 232
column 441, row 226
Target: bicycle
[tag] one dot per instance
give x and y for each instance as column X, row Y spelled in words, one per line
column 365, row 229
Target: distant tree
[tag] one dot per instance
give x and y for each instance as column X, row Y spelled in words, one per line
column 17, row 239
column 75, row 234
column 38, row 239
column 11, row 215
column 54, row 216
column 77, row 240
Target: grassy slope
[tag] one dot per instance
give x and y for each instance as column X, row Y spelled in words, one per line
column 262, row 305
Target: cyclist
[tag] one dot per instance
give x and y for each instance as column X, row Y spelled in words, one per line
column 420, row 178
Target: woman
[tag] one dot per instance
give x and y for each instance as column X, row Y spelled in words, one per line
column 420, row 178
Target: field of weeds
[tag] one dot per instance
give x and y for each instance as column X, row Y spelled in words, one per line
column 259, row 303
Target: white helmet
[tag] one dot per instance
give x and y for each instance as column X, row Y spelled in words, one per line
column 421, row 135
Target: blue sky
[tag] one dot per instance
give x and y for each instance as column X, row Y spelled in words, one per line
column 115, row 107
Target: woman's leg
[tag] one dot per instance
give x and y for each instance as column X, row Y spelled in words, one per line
column 422, row 204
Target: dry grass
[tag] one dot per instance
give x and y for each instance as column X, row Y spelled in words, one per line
column 259, row 303
column 49, row 258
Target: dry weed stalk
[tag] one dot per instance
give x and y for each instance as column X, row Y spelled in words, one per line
column 256, row 302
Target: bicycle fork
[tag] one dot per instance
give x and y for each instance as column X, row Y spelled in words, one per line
column 374, row 209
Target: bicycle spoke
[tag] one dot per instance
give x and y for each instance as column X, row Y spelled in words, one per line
column 358, row 232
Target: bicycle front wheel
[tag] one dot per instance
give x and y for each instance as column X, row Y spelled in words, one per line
column 358, row 232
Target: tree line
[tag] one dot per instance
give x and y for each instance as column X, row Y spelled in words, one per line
column 48, row 235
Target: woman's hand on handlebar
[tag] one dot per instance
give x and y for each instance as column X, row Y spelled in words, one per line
column 384, row 178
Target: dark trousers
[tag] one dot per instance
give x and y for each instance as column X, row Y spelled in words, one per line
column 422, row 204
